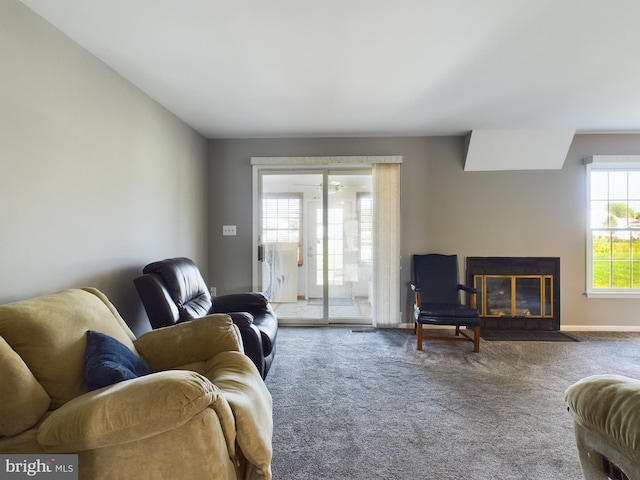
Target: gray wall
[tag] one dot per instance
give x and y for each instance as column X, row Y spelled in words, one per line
column 230, row 192
column 443, row 209
column 96, row 179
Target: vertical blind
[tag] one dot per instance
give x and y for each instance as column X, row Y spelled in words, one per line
column 386, row 278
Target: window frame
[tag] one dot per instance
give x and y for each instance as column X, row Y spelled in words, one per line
column 607, row 163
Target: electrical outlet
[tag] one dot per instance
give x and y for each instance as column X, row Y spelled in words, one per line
column 228, row 230
column 213, row 291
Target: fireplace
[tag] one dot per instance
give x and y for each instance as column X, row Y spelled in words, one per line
column 516, row 292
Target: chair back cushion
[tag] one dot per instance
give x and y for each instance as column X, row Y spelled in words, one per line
column 437, row 278
column 185, row 285
column 49, row 334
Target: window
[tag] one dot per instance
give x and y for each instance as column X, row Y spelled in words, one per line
column 613, row 231
column 365, row 226
column 282, row 220
column 335, row 244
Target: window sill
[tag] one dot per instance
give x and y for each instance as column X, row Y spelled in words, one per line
column 613, row 294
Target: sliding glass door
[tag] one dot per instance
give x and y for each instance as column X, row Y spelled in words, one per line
column 348, row 224
column 315, row 238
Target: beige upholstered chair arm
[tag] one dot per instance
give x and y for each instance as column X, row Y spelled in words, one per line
column 134, row 410
column 608, row 405
column 189, row 342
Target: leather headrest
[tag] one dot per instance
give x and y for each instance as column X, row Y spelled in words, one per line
column 185, row 284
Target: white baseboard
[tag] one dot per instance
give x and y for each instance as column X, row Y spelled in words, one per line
column 563, row 328
column 600, row 328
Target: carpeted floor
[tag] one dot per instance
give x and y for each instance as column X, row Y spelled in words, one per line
column 366, row 405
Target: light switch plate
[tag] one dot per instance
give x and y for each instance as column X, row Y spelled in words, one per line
column 228, row 230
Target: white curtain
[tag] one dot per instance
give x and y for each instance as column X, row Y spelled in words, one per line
column 386, row 278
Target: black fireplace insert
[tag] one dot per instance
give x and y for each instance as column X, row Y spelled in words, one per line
column 520, row 293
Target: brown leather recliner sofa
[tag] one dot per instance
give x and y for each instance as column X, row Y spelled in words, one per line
column 202, row 412
column 173, row 291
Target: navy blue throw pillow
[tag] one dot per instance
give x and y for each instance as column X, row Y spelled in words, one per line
column 108, row 361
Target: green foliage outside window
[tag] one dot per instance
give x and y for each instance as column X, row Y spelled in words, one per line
column 616, row 263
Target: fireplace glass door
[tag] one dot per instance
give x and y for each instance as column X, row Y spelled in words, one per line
column 515, row 295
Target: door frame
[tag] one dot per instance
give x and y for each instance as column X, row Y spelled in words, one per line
column 326, row 171
column 386, row 298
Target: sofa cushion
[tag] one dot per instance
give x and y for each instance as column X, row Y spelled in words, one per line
column 48, row 333
column 23, row 399
column 107, row 361
column 191, row 342
column 131, row 411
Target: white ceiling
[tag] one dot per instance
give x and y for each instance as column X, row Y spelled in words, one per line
column 302, row 68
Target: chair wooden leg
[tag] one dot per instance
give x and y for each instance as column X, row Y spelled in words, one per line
column 457, row 330
column 419, row 332
column 476, row 339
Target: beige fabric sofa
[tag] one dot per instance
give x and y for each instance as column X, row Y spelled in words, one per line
column 606, row 414
column 203, row 413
